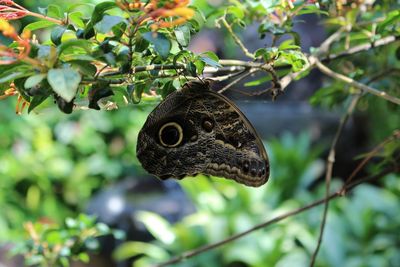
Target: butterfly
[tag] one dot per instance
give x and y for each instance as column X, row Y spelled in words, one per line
column 195, row 130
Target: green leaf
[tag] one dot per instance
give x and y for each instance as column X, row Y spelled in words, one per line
column 92, row 243
column 130, row 89
column 185, row 54
column 288, row 45
column 200, row 64
column 44, row 51
column 107, row 22
column 295, row 58
column 192, row 69
column 84, row 257
column 119, row 29
column 198, row 19
column 236, row 11
column 85, row 67
column 119, row 234
column 64, row 82
column 262, row 52
column 76, row 18
column 182, row 35
column 79, row 6
column 71, row 223
column 12, row 76
column 36, row 101
column 39, row 25
column 140, row 43
column 65, row 252
column 134, row 248
column 311, row 9
column 210, row 62
column 42, row 10
column 258, row 81
column 162, row 44
column 103, row 228
column 391, row 18
column 74, row 43
column 57, row 33
column 100, row 9
column 210, row 58
column 167, row 89
column 54, row 11
column 211, row 55
column 157, row 226
column 97, row 92
column 110, row 58
column 97, row 15
column 19, row 84
column 137, row 93
column 34, row 80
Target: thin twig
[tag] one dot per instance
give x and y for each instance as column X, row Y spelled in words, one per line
column 371, row 154
column 285, row 81
column 223, row 69
column 238, row 79
column 325, row 46
column 236, row 38
column 356, row 84
column 197, row 251
column 30, row 13
column 362, row 47
column 239, row 65
column 227, row 77
column 40, row 16
column 383, row 74
column 328, row 174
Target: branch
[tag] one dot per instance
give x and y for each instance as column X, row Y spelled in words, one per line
column 328, row 174
column 372, row 153
column 240, row 65
column 356, row 84
column 236, row 38
column 363, row 47
column 348, row 187
column 248, row 73
column 285, row 81
column 228, row 76
column 325, row 46
column 227, row 66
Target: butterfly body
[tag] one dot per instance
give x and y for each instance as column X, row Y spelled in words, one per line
column 195, row 130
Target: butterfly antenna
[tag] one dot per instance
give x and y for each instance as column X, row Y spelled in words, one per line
column 201, row 80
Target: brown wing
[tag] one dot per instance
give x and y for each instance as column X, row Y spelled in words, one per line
column 238, row 152
column 217, row 139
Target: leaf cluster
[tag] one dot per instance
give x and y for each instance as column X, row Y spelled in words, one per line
column 95, row 53
column 53, row 245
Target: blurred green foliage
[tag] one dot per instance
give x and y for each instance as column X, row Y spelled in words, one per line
column 52, row 245
column 360, row 230
column 51, row 164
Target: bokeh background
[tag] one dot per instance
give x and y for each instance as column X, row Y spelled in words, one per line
column 54, row 166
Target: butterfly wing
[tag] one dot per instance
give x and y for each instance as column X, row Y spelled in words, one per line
column 187, row 158
column 238, row 153
column 217, row 139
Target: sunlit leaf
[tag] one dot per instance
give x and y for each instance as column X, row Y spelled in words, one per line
column 107, row 23
column 64, row 82
column 34, row 80
column 157, row 226
column 133, row 248
column 162, row 44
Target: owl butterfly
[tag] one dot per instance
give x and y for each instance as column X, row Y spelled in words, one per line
column 196, row 130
